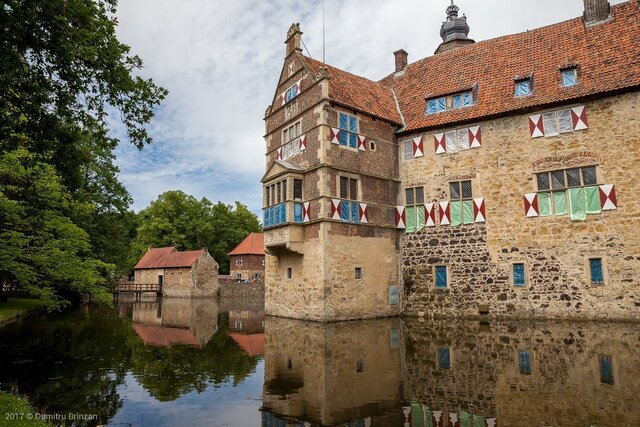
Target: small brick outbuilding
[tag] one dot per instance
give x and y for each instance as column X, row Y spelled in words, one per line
column 180, row 274
column 247, row 259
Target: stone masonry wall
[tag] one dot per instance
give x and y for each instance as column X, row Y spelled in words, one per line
column 554, row 249
column 563, row 385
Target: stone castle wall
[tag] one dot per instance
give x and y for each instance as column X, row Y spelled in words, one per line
column 554, row 249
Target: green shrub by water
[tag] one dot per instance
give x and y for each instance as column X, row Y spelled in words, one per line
column 16, row 411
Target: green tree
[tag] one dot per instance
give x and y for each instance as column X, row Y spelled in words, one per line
column 63, row 213
column 180, row 220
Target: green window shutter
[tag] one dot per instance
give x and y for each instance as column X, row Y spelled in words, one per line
column 593, row 200
column 578, row 204
column 456, row 213
column 420, row 217
column 428, row 416
column 544, row 204
column 478, row 421
column 417, row 416
column 467, row 211
column 465, row 419
column 411, row 219
column 560, row 202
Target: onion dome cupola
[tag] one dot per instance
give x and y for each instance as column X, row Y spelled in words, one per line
column 454, row 31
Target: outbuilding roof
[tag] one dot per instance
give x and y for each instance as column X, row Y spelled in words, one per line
column 253, row 244
column 168, row 257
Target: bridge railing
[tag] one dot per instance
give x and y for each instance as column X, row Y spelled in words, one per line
column 139, row 287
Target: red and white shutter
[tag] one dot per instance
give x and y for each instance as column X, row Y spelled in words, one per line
column 401, row 217
column 579, row 118
column 362, row 143
column 280, row 153
column 302, row 143
column 336, row 212
column 429, row 215
column 479, row 214
column 418, row 147
column 299, row 85
column 445, row 213
column 475, row 137
column 306, row 212
column 531, row 205
column 283, row 97
column 440, row 143
column 364, row 213
column 290, row 69
column 334, row 135
column 608, row 199
column 536, row 126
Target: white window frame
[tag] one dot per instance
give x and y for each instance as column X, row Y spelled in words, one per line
column 566, row 71
column 553, row 122
column 517, row 85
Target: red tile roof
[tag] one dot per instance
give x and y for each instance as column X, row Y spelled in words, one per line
column 252, row 344
column 168, row 258
column 163, row 336
column 359, row 93
column 253, row 244
column 607, row 56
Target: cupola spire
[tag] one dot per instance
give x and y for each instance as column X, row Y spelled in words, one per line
column 454, row 31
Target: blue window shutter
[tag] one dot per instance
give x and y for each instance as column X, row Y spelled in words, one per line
column 606, row 370
column 353, row 140
column 518, row 275
column 345, row 210
column 523, row 88
column 568, row 77
column 297, row 212
column 524, row 362
column 442, row 104
column 441, row 276
column 466, row 99
column 353, row 124
column 597, row 277
column 457, row 101
column 431, row 106
column 265, row 216
column 355, row 212
column 444, row 358
column 344, row 122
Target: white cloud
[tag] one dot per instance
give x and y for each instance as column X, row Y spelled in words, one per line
column 220, row 61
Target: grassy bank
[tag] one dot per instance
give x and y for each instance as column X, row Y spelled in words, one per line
column 19, row 411
column 16, row 307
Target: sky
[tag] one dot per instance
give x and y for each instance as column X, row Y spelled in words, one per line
column 221, row 59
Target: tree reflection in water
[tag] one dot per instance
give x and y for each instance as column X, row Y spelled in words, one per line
column 74, row 362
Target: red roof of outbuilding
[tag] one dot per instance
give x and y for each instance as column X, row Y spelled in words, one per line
column 253, row 244
column 252, row 344
column 607, row 56
column 168, row 258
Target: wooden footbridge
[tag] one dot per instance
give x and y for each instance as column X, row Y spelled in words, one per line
column 138, row 289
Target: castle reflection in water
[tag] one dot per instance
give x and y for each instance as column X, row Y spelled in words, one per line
column 419, row 373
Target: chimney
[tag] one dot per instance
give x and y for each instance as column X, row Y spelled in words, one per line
column 596, row 11
column 293, row 39
column 401, row 59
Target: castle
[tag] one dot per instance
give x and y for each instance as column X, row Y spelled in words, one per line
column 496, row 178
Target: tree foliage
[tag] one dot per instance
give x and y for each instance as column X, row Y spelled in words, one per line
column 180, row 220
column 63, row 212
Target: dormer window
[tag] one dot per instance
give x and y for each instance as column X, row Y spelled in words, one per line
column 452, row 102
column 569, row 77
column 436, row 105
column 524, row 87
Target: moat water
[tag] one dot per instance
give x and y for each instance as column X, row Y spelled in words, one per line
column 181, row 362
